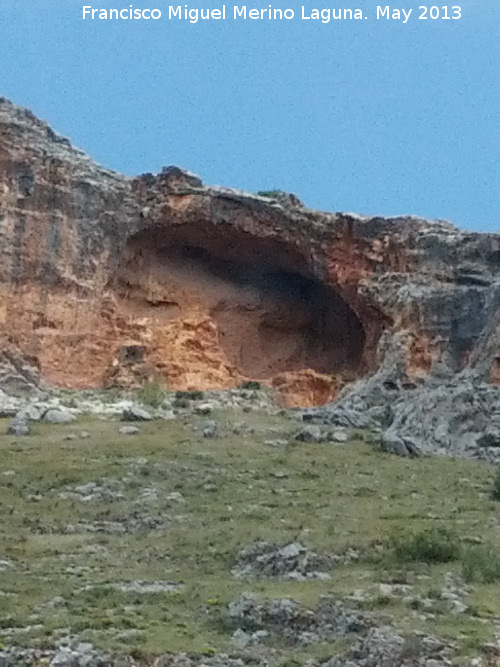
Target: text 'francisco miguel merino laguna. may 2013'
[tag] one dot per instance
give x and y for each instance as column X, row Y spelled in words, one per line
column 193, row 14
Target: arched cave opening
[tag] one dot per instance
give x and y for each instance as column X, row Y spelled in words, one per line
column 271, row 314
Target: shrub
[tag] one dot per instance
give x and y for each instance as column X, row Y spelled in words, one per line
column 194, row 395
column 250, row 384
column 495, row 490
column 480, row 564
column 152, row 393
column 434, row 545
column 272, row 194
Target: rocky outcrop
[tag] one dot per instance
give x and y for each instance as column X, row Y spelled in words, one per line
column 112, row 280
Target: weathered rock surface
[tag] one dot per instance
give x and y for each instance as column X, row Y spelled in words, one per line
column 292, row 561
column 383, row 647
column 295, row 623
column 108, row 280
column 455, row 414
column 18, row 426
column 19, row 374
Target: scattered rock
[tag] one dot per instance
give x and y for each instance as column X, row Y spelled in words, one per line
column 204, row 409
column 243, row 639
column 93, row 491
column 384, row 647
column 136, row 414
column 289, row 620
column 18, row 427
column 33, row 412
column 129, row 430
column 454, row 592
column 339, row 435
column 312, row 433
column 289, row 561
column 148, row 587
column 209, row 429
column 82, row 655
column 166, row 415
column 58, row 416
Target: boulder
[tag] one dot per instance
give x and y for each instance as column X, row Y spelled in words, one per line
column 58, row 415
column 18, row 426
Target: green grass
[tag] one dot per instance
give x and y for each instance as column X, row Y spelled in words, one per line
column 437, row 544
column 233, row 490
column 495, row 489
column 481, row 564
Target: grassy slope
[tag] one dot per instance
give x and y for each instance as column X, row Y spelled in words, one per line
column 236, row 489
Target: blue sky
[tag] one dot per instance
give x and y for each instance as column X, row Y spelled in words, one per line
column 369, row 116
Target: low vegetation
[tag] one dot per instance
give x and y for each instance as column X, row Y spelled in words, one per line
column 438, row 544
column 495, row 490
column 152, row 393
column 252, row 385
column 272, row 194
column 481, row 564
column 88, row 524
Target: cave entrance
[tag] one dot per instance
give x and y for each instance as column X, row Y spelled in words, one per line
column 271, row 314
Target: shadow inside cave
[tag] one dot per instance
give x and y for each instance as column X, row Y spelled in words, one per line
column 271, row 316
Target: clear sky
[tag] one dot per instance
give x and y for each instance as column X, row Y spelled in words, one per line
column 369, row 116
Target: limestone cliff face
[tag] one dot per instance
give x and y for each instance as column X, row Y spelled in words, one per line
column 110, row 280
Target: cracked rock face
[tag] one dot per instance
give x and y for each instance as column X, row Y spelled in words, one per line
column 107, row 280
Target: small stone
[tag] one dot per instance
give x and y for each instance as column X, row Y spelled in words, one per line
column 241, row 638
column 209, row 429
column 175, row 496
column 129, row 430
column 276, row 443
column 64, row 658
column 204, row 409
column 136, row 414
column 339, row 436
column 292, row 550
column 311, row 433
column 166, row 415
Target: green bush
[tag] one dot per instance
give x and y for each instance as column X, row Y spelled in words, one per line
column 434, row 545
column 152, row 393
column 250, row 384
column 194, row 395
column 480, row 564
column 495, row 491
column 272, row 194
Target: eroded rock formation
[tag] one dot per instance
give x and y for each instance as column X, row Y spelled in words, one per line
column 112, row 280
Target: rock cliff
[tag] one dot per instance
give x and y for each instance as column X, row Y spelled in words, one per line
column 107, row 280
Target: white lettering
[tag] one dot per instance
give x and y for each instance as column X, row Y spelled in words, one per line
column 407, row 14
